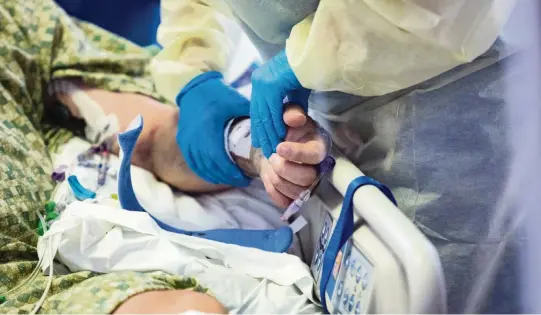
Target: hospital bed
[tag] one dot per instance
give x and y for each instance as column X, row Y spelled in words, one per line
column 387, row 266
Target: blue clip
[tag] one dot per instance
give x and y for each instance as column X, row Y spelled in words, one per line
column 79, row 191
column 245, row 78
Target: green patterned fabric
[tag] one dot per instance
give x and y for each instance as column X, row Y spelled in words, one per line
column 40, row 43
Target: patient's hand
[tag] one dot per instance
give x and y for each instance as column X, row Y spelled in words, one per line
column 292, row 169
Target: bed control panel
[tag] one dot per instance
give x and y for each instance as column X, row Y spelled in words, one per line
column 354, row 275
column 351, row 283
column 387, row 266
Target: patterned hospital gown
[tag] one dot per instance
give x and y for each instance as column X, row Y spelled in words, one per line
column 39, row 43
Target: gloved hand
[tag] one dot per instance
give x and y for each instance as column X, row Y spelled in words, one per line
column 271, row 83
column 206, row 105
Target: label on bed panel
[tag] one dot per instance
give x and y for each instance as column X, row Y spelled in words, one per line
column 323, row 241
column 353, row 291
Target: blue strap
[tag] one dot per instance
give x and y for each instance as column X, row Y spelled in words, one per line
column 278, row 240
column 344, row 229
column 126, row 194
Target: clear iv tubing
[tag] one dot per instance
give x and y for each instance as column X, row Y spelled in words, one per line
column 35, row 272
column 324, row 167
column 296, row 205
column 51, row 268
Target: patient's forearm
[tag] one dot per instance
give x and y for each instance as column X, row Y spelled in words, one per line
column 169, row 162
column 156, row 149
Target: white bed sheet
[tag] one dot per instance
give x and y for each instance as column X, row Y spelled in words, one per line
column 93, row 241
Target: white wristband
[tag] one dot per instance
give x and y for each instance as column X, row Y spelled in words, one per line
column 238, row 140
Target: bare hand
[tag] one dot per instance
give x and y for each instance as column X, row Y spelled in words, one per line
column 292, row 169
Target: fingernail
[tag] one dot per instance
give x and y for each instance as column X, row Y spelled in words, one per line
column 284, row 150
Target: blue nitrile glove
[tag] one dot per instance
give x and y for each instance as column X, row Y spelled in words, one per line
column 271, row 83
column 206, row 105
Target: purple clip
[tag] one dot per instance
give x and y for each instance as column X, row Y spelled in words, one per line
column 59, row 174
column 326, row 165
column 95, row 149
column 104, row 147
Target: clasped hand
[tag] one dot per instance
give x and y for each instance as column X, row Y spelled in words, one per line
column 292, row 168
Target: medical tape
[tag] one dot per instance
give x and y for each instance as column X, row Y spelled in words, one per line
column 99, row 126
column 298, row 224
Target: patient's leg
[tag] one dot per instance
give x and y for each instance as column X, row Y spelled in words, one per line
column 170, row 302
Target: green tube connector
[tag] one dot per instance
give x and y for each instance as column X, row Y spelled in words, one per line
column 50, row 206
column 51, row 216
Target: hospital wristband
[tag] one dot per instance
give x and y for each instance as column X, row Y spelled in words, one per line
column 237, row 138
column 238, row 145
